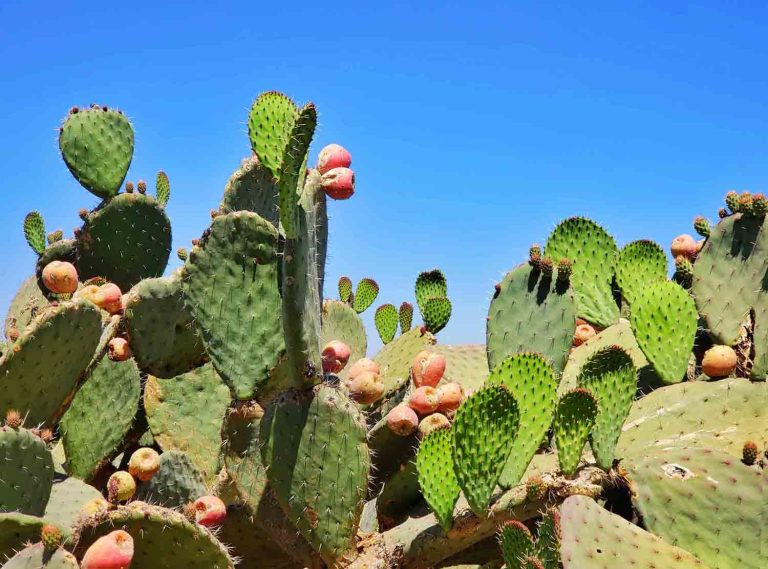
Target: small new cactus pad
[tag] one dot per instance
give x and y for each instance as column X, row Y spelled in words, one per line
column 683, row 272
column 664, row 322
column 483, row 432
column 162, row 188
column 574, row 419
column 37, row 557
column 405, row 315
column 365, row 294
column 430, row 284
column 194, row 402
column 176, row 483
column 345, row 289
column 97, row 147
column 26, row 304
column 252, row 188
column 270, row 123
column 611, row 377
column 395, row 358
column 164, row 339
column 593, row 253
column 436, row 476
column 100, row 415
column 592, row 537
column 531, row 313
column 516, row 543
column 640, row 263
column 40, row 375
column 34, row 231
column 299, row 431
column 701, row 226
column 26, row 470
column 126, row 239
column 65, row 250
column 231, row 290
column 686, row 497
column 548, row 544
column 532, row 382
column 436, row 313
column 385, row 320
column 341, row 322
column 55, row 236
column 153, row 529
column 68, row 497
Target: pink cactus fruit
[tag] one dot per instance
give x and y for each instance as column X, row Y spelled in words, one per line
column 119, row 350
column 583, row 333
column 210, row 511
column 144, row 464
column 402, row 420
column 449, row 397
column 427, row 369
column 361, row 365
column 684, row 246
column 333, row 156
column 432, row 423
column 121, row 487
column 60, row 277
column 111, row 298
column 719, row 361
column 338, row 183
column 112, row 551
column 335, row 356
column 366, row 387
column 424, row 400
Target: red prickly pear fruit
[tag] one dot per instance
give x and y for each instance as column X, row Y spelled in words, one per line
column 121, row 487
column 119, row 350
column 210, row 511
column 144, row 464
column 111, row 298
column 333, row 156
column 335, row 356
column 402, row 420
column 432, row 423
column 684, row 245
column 719, row 361
column 427, row 369
column 366, row 387
column 449, row 397
column 583, row 333
column 339, row 183
column 60, row 277
column 112, row 551
column 361, row 365
column 424, row 400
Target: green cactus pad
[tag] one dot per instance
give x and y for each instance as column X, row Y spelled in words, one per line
column 322, row 497
column 430, row 284
column 252, row 188
column 242, row 454
column 531, row 313
column 176, row 483
column 42, row 372
column 575, row 417
column 65, row 250
column 101, row 414
column 439, row 486
column 34, row 231
column 232, row 293
column 345, row 289
column 68, row 496
column 640, row 263
column 729, row 282
column 365, row 294
column 26, row 470
column 341, row 322
column 548, row 543
column 126, row 239
column 35, row 557
column 164, row 340
column 27, row 303
column 436, row 313
column 162, row 188
column 395, row 358
column 385, row 320
column 405, row 315
column 186, row 412
column 163, row 539
column 97, row 147
column 532, row 383
column 593, row 253
column 16, row 531
column 611, row 377
column 484, row 430
column 704, row 502
column 516, row 543
column 664, row 322
column 466, row 364
column 594, row 538
column 270, row 123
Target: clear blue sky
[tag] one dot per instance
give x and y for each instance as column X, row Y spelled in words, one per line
column 474, row 129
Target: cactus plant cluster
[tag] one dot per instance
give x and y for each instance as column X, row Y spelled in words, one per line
column 227, row 415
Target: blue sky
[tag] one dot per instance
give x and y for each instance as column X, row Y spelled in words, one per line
column 474, row 127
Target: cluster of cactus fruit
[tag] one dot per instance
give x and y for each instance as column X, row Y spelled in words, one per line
column 226, row 415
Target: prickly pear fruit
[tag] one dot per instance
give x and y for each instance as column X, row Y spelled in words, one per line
column 112, row 551
column 335, row 356
column 361, row 365
column 60, row 277
column 333, row 156
column 449, row 397
column 366, row 387
column 424, row 400
column 432, row 423
column 338, row 183
column 95, row 506
column 144, row 464
column 402, row 420
column 119, row 350
column 719, row 361
column 583, row 333
column 427, row 369
column 210, row 511
column 107, row 296
column 685, row 246
column 121, row 487
column 51, row 537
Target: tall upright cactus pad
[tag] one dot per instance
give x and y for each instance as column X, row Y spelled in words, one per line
column 640, row 263
column 26, row 471
column 516, row 544
column 231, row 290
column 164, row 338
column 385, row 320
column 101, row 414
column 430, row 284
column 177, row 482
column 162, row 188
column 664, row 321
column 252, row 188
column 300, row 431
column 532, row 382
column 483, row 432
column 345, row 289
column 26, row 304
column 594, row 538
column 194, row 402
column 36, row 557
column 270, row 123
column 241, row 453
column 64, row 250
column 97, row 147
column 365, row 295
column 611, row 377
column 575, row 417
column 41, row 374
column 436, row 313
column 125, row 239
column 341, row 322
column 34, row 231
column 439, row 486
column 729, row 281
column 705, row 502
column 405, row 314
column 531, row 312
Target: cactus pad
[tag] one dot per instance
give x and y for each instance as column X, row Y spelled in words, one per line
column 242, row 454
column 385, row 320
column 365, row 295
column 430, row 284
column 68, row 496
column 24, row 306
column 35, row 557
column 575, row 417
column 436, row 313
column 341, row 322
column 439, row 486
column 252, row 188
column 405, row 314
column 16, row 531
column 34, row 231
column 395, row 358
column 640, row 263
column 548, row 543
column 270, row 123
column 466, row 364
column 516, row 543
column 345, row 289
column 26, row 470
column 176, row 483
